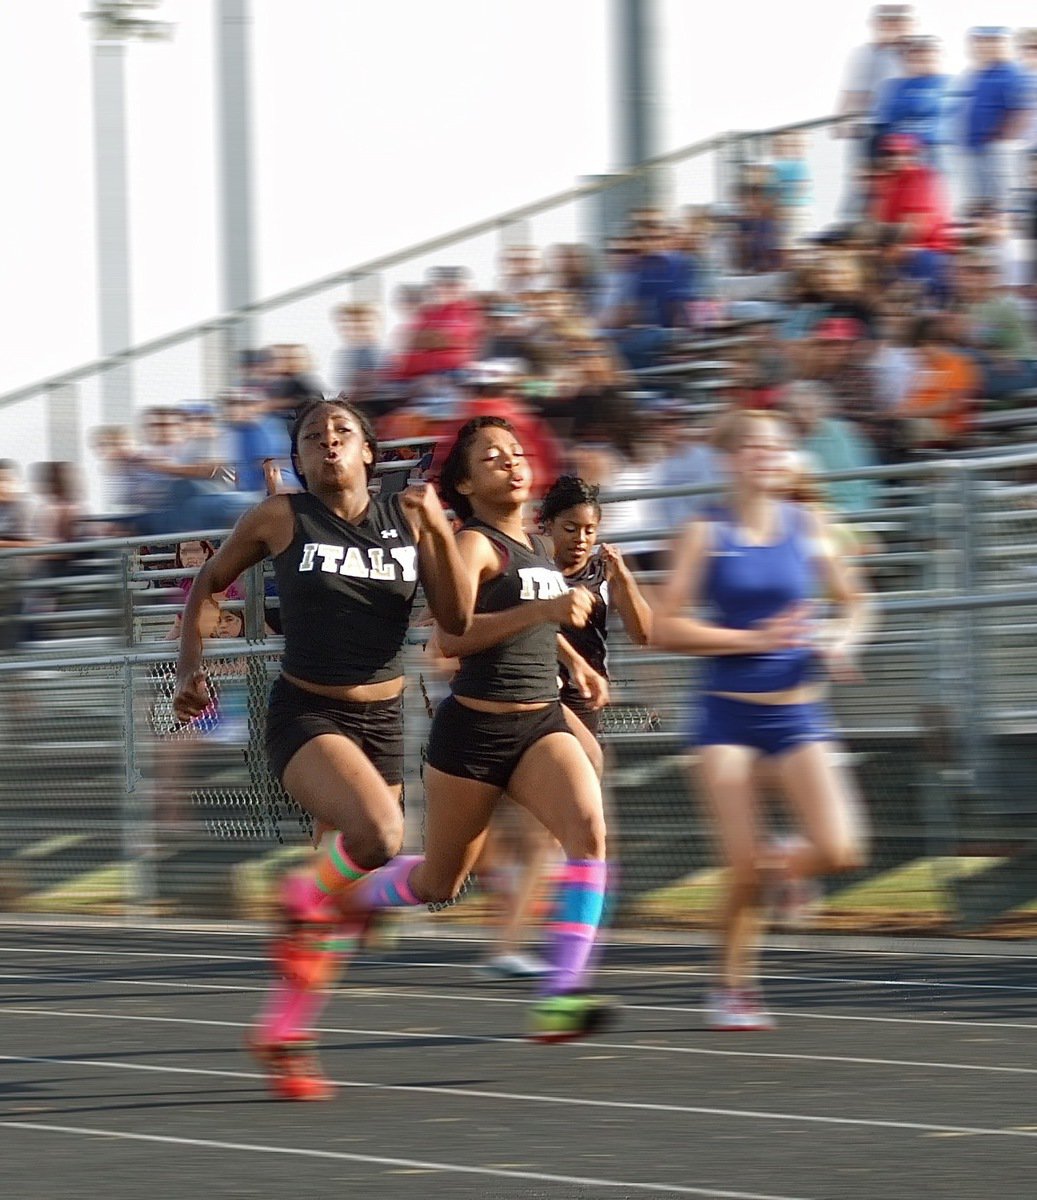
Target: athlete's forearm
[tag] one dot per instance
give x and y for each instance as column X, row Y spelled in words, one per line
column 634, row 610
column 490, row 629
column 445, row 580
column 685, row 635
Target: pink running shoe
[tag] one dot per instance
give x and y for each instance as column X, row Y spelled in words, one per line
column 737, row 1010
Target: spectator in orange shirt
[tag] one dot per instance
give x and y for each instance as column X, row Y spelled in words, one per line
column 941, row 402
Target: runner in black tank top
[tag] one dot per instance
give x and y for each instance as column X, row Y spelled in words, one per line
column 570, row 515
column 503, row 729
column 347, row 568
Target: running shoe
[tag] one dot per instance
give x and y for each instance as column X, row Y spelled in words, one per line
column 513, row 966
column 737, row 1009
column 292, row 1067
column 571, row 1016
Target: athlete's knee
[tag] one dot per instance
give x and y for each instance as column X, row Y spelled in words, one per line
column 843, row 853
column 585, row 835
column 376, row 840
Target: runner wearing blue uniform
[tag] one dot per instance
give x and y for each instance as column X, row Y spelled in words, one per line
column 758, row 567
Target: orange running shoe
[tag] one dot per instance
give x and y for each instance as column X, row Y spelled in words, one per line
column 292, row 1066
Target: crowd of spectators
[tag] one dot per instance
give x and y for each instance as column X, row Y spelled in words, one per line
column 884, row 336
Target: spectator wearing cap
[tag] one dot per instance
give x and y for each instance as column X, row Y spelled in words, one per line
column 915, row 103
column 446, row 332
column 871, row 66
column 840, row 358
column 834, row 445
column 993, row 114
column 910, row 205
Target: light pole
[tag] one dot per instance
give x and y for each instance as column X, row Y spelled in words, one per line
column 114, row 23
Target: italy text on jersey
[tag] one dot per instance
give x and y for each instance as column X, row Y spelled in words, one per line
column 541, row 583
column 338, row 560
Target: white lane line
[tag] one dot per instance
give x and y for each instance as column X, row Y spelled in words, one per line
column 538, row 1098
column 666, row 973
column 488, row 1039
column 360, row 992
column 379, row 1160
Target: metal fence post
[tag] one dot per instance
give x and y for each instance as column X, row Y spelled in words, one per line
column 138, row 873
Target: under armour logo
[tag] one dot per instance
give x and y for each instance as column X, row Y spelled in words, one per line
column 389, row 533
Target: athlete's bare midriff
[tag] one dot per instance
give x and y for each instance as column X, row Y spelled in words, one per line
column 357, row 693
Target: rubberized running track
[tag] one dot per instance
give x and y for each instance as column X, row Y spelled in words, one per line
column 893, row 1074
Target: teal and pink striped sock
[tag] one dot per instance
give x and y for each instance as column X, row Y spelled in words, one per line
column 573, row 925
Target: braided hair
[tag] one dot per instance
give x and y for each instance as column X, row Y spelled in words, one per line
column 568, row 491
column 344, row 405
column 455, row 465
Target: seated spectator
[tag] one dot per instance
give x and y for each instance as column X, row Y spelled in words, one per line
column 290, row 380
column 357, row 361
column 256, row 446
column 910, row 204
column 446, row 332
column 941, row 405
column 832, row 444
column 758, row 230
column 571, row 269
column 992, row 325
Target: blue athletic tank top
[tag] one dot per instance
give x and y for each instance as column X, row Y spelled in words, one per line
column 746, row 584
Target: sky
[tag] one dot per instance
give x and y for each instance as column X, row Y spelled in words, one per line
column 376, row 123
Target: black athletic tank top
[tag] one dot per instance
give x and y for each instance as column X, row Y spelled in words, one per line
column 589, row 642
column 523, row 669
column 346, row 592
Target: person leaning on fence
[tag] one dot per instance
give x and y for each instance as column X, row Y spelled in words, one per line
column 347, row 569
column 759, row 564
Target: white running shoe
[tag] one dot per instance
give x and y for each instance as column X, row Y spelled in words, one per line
column 513, row 966
column 737, row 1009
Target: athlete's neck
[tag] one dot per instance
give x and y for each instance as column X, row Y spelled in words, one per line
column 754, row 511
column 507, row 520
column 349, row 503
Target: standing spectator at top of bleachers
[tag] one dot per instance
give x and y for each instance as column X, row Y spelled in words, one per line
column 916, row 101
column 994, row 113
column 792, row 189
column 1026, row 51
column 872, row 65
column 446, row 331
column 358, row 359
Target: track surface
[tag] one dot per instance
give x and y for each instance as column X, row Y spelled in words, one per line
column 891, row 1075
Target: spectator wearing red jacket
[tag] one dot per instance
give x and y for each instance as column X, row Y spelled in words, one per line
column 910, row 204
column 446, row 331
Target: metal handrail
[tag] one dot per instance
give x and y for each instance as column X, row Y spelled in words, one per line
column 384, row 262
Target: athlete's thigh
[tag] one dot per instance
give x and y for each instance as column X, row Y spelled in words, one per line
column 332, row 778
column 822, row 796
column 724, row 777
column 554, row 780
column 591, row 745
column 457, row 816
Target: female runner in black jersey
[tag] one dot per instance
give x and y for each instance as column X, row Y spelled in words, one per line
column 504, row 730
column 570, row 514
column 347, row 569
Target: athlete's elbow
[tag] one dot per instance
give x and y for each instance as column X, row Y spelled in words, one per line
column 456, row 623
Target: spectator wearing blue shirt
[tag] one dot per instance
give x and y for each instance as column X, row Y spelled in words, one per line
column 254, row 442
column 993, row 115
column 915, row 103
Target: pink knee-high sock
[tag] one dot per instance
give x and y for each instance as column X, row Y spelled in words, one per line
column 573, row 925
column 292, row 1011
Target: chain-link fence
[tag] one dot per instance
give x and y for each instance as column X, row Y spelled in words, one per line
column 106, row 805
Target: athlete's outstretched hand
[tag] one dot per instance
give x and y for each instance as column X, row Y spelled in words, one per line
column 192, row 697
column 791, row 627
column 572, row 608
column 420, row 502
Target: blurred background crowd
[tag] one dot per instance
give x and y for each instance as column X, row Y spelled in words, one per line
column 904, row 329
